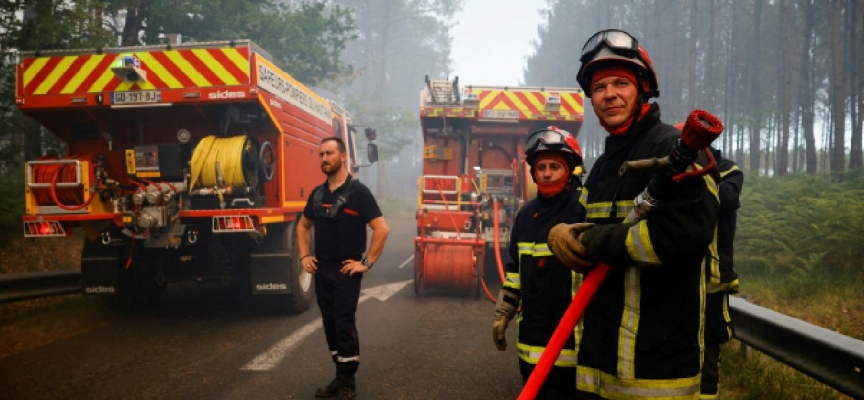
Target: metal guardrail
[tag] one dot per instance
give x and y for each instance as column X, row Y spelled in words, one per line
column 827, row 356
column 34, row 285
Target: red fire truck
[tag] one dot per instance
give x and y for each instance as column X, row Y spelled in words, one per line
column 185, row 162
column 474, row 176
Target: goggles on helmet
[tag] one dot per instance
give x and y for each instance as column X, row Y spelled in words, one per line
column 549, row 139
column 620, row 42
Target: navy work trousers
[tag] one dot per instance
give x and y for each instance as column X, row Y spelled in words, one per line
column 338, row 295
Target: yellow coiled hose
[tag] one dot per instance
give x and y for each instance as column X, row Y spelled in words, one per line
column 228, row 152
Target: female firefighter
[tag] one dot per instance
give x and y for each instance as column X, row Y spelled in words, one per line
column 535, row 280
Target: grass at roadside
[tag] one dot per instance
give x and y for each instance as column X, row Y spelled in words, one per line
column 824, row 298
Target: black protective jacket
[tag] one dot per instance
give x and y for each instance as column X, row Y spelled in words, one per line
column 720, row 260
column 545, row 285
column 642, row 330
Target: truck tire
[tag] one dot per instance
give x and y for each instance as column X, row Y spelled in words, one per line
column 137, row 288
column 282, row 241
column 302, row 284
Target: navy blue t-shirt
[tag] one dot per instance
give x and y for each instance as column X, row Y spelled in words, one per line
column 342, row 236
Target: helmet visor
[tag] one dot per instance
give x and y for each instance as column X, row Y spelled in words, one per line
column 549, row 139
column 620, row 42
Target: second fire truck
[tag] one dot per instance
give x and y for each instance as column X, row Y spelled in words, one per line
column 474, row 176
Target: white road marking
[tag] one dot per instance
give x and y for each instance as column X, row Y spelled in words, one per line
column 406, row 262
column 276, row 353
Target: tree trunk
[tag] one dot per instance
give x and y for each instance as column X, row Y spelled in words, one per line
column 710, row 71
column 856, row 86
column 135, row 16
column 782, row 153
column 756, row 90
column 806, row 89
column 836, row 92
column 691, row 72
column 382, row 85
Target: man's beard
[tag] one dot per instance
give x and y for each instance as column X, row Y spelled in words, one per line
column 333, row 169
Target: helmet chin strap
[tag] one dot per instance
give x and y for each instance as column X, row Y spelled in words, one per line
column 641, row 99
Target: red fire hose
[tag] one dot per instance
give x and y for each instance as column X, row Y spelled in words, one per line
column 564, row 330
column 71, row 199
column 496, row 244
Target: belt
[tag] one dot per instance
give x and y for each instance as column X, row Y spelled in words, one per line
column 329, row 259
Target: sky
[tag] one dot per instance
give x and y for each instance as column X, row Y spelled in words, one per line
column 492, row 38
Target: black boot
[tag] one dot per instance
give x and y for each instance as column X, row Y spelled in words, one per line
column 347, row 391
column 331, row 390
column 345, row 375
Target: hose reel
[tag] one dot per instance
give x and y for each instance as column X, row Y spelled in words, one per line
column 225, row 162
column 59, row 182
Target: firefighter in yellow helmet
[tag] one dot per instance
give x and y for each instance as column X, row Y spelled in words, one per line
column 535, row 281
column 642, row 331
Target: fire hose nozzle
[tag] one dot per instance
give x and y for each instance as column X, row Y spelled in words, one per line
column 700, row 130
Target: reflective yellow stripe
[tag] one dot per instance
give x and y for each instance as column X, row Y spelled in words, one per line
column 239, row 60
column 159, row 70
column 531, row 355
column 724, row 173
column 534, row 249
column 575, row 283
column 186, row 67
column 726, row 316
column 703, row 299
column 34, row 69
column 639, row 245
column 710, row 183
column 101, row 82
column 712, row 186
column 215, row 66
column 55, row 75
column 610, row 387
column 713, row 261
column 542, row 250
column 723, row 287
column 603, row 208
column 82, row 74
column 513, row 280
column 629, row 322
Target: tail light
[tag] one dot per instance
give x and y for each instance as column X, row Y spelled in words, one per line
column 43, row 229
column 233, row 223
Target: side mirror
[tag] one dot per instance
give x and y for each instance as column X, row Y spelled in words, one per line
column 370, row 134
column 372, row 152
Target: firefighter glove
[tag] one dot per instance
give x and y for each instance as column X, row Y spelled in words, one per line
column 499, row 327
column 507, row 303
column 564, row 242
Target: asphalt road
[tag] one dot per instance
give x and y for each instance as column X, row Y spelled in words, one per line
column 201, row 344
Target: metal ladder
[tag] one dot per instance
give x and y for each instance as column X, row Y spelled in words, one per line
column 443, row 91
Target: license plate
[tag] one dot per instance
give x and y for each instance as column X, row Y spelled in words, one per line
column 505, row 114
column 143, row 96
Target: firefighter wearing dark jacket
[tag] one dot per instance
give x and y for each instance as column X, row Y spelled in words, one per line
column 642, row 331
column 721, row 276
column 535, row 280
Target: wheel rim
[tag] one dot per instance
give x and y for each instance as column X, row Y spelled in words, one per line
column 304, row 279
